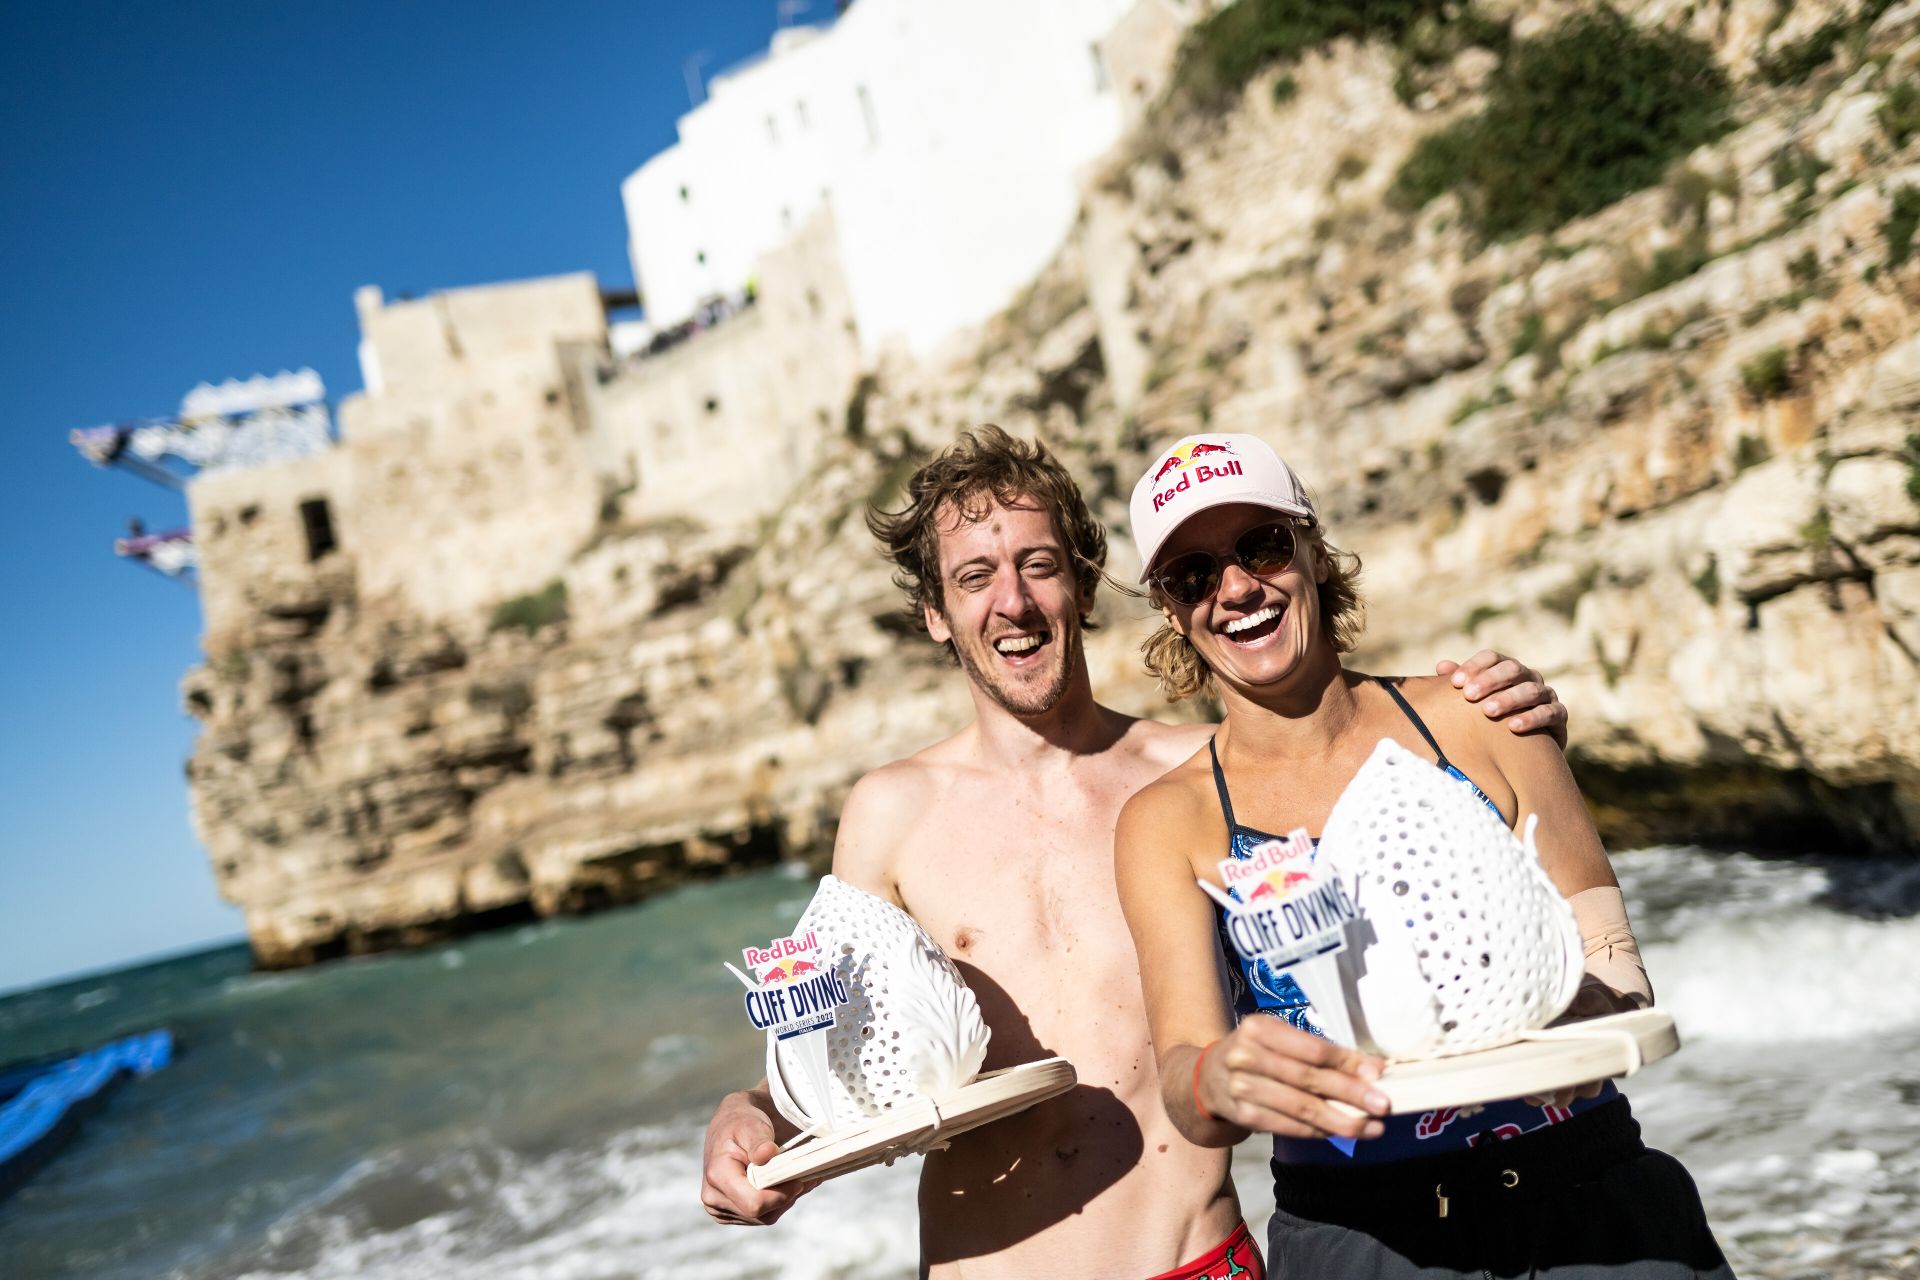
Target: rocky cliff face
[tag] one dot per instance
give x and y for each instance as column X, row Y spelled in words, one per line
column 1668, row 451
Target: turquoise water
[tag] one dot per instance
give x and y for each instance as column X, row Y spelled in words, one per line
column 528, row 1104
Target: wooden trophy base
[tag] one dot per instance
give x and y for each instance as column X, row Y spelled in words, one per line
column 1547, row 1060
column 920, row 1125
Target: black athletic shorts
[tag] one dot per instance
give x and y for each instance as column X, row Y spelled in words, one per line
column 1581, row 1200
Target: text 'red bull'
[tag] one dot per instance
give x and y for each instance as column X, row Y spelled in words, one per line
column 1199, row 474
column 779, row 949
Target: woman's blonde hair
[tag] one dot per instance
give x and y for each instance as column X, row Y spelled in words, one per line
column 1172, row 660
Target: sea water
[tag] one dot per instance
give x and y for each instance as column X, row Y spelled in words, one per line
column 529, row 1103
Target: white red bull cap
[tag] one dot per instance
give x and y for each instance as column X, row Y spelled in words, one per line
column 1200, row 472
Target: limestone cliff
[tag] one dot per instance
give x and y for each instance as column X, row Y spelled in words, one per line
column 1667, row 451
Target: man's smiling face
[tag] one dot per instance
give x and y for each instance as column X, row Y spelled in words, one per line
column 1010, row 603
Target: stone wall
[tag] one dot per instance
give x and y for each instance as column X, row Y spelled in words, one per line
column 258, row 573
column 473, row 475
column 710, row 430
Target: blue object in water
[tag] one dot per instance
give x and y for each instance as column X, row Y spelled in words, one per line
column 44, row 1108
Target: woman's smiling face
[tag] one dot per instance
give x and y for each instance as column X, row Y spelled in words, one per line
column 1254, row 630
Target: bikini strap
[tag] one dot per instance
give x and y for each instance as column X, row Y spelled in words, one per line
column 1392, row 687
column 1220, row 784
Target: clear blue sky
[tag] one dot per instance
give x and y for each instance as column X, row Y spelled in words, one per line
column 192, row 190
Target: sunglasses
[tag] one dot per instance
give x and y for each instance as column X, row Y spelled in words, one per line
column 1262, row 551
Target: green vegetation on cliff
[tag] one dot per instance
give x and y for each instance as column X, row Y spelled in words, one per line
column 1899, row 112
column 1595, row 110
column 1769, row 375
column 1221, row 54
column 1901, row 226
column 532, row 612
column 1796, row 61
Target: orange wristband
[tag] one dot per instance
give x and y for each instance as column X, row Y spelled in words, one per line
column 1198, row 1105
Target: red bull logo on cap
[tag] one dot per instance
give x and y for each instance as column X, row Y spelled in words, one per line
column 1195, row 463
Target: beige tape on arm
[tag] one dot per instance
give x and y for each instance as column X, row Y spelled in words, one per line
column 1613, row 956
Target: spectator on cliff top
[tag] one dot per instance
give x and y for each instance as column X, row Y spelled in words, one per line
column 999, row 840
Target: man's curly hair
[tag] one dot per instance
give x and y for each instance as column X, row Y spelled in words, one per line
column 983, row 467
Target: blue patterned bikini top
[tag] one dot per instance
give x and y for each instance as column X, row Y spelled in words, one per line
column 1257, row 989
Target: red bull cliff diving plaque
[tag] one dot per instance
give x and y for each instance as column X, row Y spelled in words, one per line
column 1462, row 1000
column 874, row 1043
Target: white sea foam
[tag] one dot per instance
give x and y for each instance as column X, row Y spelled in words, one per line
column 629, row 1208
column 261, row 985
column 1675, row 891
column 1796, row 975
column 1748, row 949
column 1839, row 1213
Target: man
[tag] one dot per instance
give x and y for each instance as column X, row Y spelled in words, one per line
column 999, row 840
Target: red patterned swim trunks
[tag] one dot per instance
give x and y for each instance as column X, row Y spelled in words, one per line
column 1234, row 1258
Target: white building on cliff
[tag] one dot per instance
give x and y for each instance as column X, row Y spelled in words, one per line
column 946, row 138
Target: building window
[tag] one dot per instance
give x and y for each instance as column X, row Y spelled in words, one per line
column 318, row 523
column 684, row 197
column 800, row 114
column 867, row 114
column 1099, row 68
column 773, row 132
column 700, row 256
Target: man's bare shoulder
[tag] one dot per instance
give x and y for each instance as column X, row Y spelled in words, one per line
column 1164, row 746
column 887, row 794
column 1181, row 795
column 884, row 809
column 874, row 822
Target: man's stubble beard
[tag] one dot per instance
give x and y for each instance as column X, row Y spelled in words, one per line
column 1010, row 700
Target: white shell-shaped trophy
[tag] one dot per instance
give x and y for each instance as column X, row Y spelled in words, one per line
column 898, row 1072
column 1463, row 943
column 910, row 1029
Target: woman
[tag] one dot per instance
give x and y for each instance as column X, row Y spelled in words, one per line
column 1259, row 606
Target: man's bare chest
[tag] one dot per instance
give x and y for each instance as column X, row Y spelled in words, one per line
column 1009, row 885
